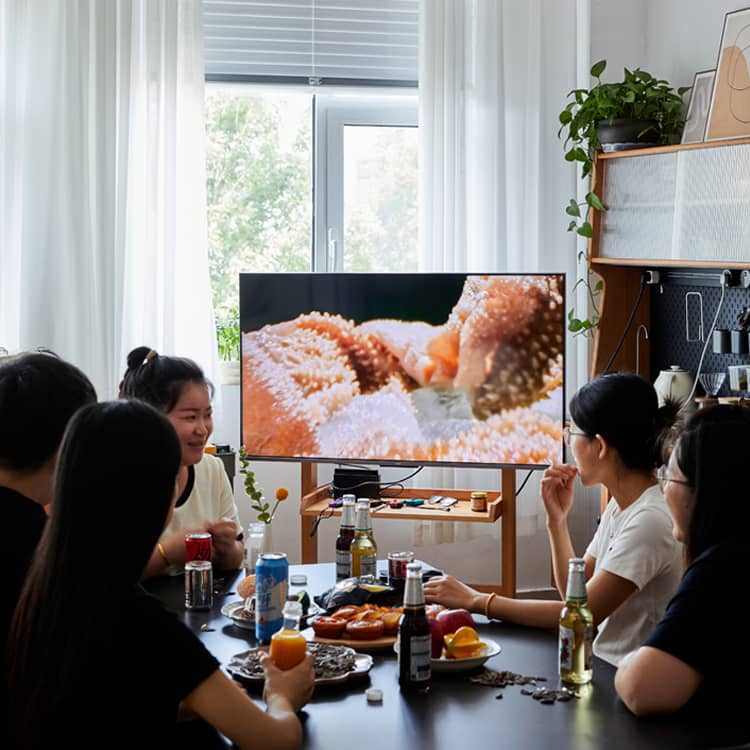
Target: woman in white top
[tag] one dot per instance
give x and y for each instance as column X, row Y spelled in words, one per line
column 633, row 563
column 205, row 502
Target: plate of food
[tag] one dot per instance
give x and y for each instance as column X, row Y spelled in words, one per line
column 368, row 627
column 452, row 664
column 333, row 664
column 461, row 651
column 242, row 616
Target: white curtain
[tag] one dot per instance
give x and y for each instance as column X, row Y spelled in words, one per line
column 493, row 77
column 102, row 182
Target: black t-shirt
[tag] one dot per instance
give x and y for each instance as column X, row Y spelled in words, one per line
column 23, row 523
column 130, row 677
column 702, row 627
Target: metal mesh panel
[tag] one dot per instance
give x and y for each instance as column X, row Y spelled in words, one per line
column 692, row 204
column 669, row 344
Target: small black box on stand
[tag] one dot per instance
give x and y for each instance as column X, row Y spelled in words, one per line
column 359, row 482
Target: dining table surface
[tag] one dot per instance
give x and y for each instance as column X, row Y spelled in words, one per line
column 456, row 713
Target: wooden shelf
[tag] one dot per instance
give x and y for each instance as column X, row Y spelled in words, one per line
column 669, row 263
column 315, row 501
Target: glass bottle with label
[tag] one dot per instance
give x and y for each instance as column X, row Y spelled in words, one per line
column 576, row 628
column 288, row 645
column 414, row 640
column 344, row 539
column 364, row 551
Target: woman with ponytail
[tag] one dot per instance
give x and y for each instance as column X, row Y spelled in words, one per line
column 177, row 387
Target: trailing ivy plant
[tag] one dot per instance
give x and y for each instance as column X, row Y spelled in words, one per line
column 638, row 96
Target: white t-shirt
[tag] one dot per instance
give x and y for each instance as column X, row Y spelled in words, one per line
column 636, row 544
column 211, row 499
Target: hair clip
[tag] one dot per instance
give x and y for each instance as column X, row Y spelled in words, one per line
column 149, row 357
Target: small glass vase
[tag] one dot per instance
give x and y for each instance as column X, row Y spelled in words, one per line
column 255, row 544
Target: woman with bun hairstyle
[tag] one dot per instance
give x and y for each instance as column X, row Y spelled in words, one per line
column 699, row 648
column 177, row 387
column 633, row 562
column 96, row 661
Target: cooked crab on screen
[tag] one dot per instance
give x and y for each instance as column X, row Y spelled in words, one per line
column 485, row 386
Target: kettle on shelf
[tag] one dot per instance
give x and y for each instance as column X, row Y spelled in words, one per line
column 674, row 384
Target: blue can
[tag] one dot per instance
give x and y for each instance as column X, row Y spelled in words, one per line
column 271, row 584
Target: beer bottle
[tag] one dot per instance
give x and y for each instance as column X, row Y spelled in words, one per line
column 344, row 540
column 364, row 551
column 576, row 628
column 414, row 640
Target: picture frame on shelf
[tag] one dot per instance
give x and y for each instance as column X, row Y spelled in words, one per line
column 698, row 107
column 729, row 113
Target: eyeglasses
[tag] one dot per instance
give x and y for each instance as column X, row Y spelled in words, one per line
column 568, row 433
column 662, row 478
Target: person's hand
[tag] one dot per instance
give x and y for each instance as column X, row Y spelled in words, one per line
column 556, row 489
column 449, row 592
column 295, row 684
column 224, row 537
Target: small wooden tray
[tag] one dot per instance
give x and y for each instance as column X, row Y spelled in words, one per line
column 376, row 644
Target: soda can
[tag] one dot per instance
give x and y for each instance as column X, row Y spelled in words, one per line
column 197, row 546
column 397, row 562
column 271, row 584
column 199, row 584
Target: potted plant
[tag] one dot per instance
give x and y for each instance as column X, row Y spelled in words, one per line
column 228, row 340
column 639, row 110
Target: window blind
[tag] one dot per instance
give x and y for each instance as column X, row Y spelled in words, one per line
column 355, row 42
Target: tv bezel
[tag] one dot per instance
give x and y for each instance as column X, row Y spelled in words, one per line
column 364, row 462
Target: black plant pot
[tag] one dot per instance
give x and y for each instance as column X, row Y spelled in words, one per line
column 626, row 130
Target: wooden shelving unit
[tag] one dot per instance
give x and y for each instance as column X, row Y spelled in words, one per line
column 500, row 505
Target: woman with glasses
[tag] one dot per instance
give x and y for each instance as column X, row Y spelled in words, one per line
column 633, row 562
column 699, row 647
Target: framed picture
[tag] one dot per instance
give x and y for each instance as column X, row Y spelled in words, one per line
column 729, row 115
column 700, row 101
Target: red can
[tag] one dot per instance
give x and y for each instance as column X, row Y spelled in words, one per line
column 197, row 546
column 397, row 562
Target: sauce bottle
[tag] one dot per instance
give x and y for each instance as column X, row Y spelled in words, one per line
column 414, row 640
column 576, row 628
column 288, row 646
column 363, row 549
column 344, row 539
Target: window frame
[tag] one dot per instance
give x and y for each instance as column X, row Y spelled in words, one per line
column 331, row 114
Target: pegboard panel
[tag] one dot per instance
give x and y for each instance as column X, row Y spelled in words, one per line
column 669, row 337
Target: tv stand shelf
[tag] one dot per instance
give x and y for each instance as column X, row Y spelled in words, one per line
column 315, row 501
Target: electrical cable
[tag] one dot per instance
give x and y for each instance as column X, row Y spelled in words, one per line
column 628, row 324
column 523, row 484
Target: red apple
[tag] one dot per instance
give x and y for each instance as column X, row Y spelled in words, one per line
column 436, row 634
column 452, row 619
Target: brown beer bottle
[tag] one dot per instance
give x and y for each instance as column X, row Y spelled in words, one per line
column 344, row 539
column 414, row 659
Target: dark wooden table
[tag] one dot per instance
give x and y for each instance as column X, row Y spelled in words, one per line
column 457, row 714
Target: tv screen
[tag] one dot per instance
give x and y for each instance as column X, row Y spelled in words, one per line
column 451, row 369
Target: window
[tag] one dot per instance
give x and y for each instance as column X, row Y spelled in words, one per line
column 320, row 176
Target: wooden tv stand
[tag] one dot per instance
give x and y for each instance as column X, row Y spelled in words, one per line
column 501, row 504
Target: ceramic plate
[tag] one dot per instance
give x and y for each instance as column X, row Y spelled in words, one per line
column 235, row 611
column 491, row 648
column 362, row 665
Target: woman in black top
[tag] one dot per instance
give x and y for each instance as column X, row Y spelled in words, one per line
column 698, row 649
column 95, row 661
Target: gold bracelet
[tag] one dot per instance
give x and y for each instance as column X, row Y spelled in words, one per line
column 487, row 604
column 163, row 554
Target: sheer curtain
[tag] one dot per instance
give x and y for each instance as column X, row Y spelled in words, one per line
column 102, row 182
column 493, row 77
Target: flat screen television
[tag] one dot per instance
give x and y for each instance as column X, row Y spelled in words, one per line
column 415, row 369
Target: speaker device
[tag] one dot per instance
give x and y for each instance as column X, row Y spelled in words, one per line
column 359, row 482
